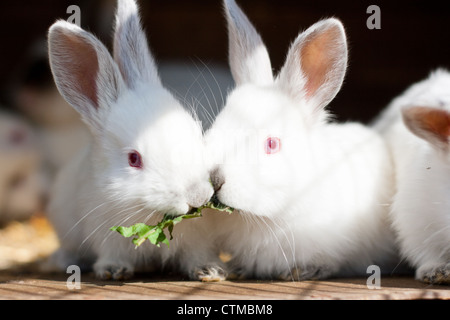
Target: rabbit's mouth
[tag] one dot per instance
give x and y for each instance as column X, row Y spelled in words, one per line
column 218, row 205
column 215, row 204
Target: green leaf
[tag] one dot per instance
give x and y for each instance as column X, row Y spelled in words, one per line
column 155, row 234
column 137, row 229
column 215, row 204
column 157, row 237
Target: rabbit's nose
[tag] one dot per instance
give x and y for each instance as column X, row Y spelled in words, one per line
column 199, row 194
column 217, row 179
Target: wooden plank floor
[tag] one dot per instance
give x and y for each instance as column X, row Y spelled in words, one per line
column 23, row 243
column 44, row 287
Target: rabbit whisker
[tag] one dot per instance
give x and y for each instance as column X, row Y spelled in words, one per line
column 106, row 237
column 110, row 220
column 274, row 234
column 81, row 219
column 209, row 86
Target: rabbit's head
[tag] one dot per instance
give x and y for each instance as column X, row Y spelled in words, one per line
column 263, row 143
column 146, row 147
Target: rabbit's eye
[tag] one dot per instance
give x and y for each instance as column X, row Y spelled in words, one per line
column 272, row 145
column 135, row 159
column 17, row 136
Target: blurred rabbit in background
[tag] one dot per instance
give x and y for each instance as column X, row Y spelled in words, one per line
column 20, row 180
column 60, row 134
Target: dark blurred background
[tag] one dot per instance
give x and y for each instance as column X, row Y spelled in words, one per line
column 413, row 40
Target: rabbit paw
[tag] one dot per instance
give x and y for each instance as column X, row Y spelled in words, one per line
column 209, row 273
column 307, row 273
column 113, row 271
column 434, row 275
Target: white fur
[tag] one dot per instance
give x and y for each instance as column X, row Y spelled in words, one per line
column 126, row 109
column 20, row 180
column 318, row 207
column 421, row 210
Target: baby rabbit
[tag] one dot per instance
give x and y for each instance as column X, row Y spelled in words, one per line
column 416, row 126
column 20, row 181
column 144, row 159
column 310, row 195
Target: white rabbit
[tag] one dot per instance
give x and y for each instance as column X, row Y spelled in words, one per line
column 144, row 159
column 20, row 181
column 310, row 196
column 416, row 126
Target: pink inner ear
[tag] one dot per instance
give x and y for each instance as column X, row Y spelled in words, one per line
column 433, row 120
column 439, row 122
column 82, row 65
column 317, row 58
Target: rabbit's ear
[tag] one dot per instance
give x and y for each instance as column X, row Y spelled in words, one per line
column 248, row 57
column 316, row 63
column 84, row 71
column 430, row 124
column 131, row 51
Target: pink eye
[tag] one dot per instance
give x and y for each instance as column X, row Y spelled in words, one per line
column 272, row 145
column 135, row 159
